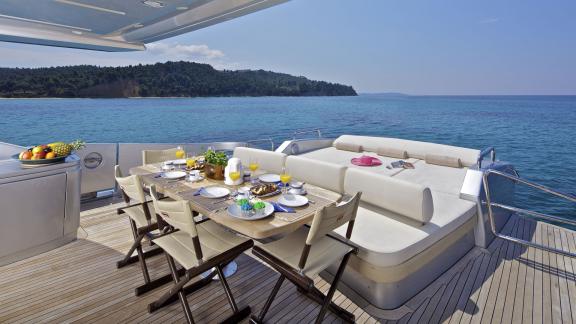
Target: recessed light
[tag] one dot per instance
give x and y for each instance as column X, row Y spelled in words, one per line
column 154, row 4
column 137, row 25
column 181, row 8
column 77, row 32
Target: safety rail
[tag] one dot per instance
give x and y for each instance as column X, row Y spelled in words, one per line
column 264, row 140
column 489, row 150
column 522, row 212
column 307, row 131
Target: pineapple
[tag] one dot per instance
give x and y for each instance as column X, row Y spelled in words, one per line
column 64, row 149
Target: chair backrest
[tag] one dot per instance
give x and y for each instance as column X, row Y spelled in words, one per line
column 176, row 213
column 131, row 186
column 328, row 219
column 157, row 156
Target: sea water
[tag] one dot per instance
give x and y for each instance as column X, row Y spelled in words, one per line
column 535, row 133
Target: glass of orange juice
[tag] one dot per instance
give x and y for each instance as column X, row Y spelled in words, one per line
column 253, row 166
column 285, row 178
column 180, row 153
column 190, row 160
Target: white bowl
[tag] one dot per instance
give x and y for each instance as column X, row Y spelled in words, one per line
column 290, row 200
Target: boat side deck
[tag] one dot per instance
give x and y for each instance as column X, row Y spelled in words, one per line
column 79, row 282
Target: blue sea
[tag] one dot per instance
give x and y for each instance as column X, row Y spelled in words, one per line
column 536, row 133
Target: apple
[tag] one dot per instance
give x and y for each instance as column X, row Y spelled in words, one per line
column 39, row 156
column 37, row 149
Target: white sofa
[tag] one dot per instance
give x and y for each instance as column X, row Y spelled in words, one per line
column 411, row 225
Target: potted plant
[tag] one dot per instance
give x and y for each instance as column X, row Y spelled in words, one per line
column 215, row 162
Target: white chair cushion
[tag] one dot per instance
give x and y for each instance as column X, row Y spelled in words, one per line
column 323, row 174
column 437, row 178
column 405, row 198
column 392, row 152
column 269, row 161
column 415, row 149
column 214, row 240
column 324, row 252
column 387, row 238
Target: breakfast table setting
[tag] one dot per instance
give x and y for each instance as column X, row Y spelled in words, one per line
column 253, row 203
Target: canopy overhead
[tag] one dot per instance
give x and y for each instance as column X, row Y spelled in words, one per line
column 114, row 25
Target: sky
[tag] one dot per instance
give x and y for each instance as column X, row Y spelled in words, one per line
column 419, row 47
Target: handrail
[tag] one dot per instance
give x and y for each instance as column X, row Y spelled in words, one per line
column 489, row 150
column 307, row 131
column 520, row 211
column 268, row 139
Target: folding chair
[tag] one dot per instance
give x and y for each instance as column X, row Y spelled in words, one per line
column 142, row 221
column 303, row 254
column 197, row 247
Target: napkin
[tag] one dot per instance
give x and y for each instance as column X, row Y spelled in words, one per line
column 197, row 192
column 282, row 209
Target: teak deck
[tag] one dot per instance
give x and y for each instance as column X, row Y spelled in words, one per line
column 79, row 282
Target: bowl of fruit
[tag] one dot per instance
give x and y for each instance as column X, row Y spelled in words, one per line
column 48, row 153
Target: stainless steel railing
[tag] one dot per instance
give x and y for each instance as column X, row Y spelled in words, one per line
column 489, row 150
column 252, row 143
column 307, row 131
column 522, row 212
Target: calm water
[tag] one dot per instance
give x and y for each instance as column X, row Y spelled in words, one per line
column 535, row 133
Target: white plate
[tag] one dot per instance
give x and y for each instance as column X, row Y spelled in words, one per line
column 214, row 192
column 290, row 200
column 269, row 177
column 174, row 175
column 235, row 211
column 179, row 162
column 244, row 190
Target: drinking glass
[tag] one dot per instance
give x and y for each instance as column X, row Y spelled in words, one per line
column 234, row 175
column 285, row 177
column 190, row 160
column 253, row 166
column 180, row 153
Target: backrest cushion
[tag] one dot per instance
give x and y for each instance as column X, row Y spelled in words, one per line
column 392, row 152
column 347, row 146
column 157, row 156
column 319, row 173
column 405, row 198
column 443, row 160
column 415, row 149
column 269, row 161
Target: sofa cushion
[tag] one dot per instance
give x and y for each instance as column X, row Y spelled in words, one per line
column 319, row 173
column 436, row 177
column 387, row 238
column 345, row 146
column 392, row 152
column 408, row 199
column 415, row 149
column 333, row 155
column 443, row 160
column 269, row 161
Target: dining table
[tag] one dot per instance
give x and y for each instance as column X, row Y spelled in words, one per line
column 277, row 224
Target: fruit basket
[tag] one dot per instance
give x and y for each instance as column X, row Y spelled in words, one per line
column 48, row 154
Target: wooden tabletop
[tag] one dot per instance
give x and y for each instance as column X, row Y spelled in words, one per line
column 215, row 209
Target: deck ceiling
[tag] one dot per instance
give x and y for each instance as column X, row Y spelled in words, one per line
column 114, row 25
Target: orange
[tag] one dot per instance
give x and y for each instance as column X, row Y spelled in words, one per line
column 50, row 155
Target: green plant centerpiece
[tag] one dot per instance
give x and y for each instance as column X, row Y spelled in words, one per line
column 214, row 164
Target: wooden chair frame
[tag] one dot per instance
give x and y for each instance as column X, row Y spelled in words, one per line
column 305, row 284
column 179, row 290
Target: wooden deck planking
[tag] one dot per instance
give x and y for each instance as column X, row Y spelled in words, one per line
column 80, row 283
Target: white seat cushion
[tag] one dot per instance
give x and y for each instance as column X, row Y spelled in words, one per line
column 136, row 213
column 268, row 160
column 402, row 197
column 333, row 155
column 437, row 178
column 214, row 240
column 324, row 252
column 387, row 239
column 319, row 173
column 415, row 149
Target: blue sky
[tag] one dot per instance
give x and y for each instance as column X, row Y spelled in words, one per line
column 409, row 46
